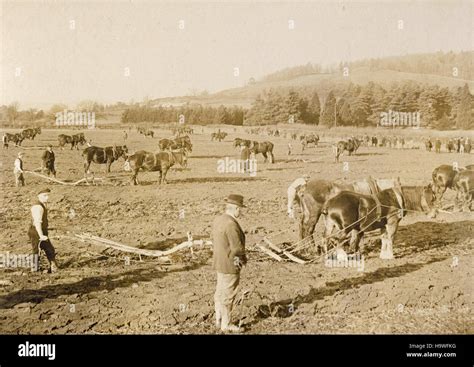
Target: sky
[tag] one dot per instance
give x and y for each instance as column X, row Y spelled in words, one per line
column 109, row 51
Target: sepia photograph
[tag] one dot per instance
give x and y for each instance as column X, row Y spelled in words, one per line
column 237, row 167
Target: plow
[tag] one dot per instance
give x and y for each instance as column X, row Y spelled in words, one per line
column 162, row 255
column 87, row 181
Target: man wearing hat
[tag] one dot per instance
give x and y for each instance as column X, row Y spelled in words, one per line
column 18, row 170
column 48, row 159
column 292, row 189
column 228, row 240
column 38, row 232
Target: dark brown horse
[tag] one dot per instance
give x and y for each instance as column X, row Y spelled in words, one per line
column 264, row 148
column 17, row 138
column 106, row 155
column 351, row 146
column 238, row 142
column 312, row 197
column 353, row 214
column 309, row 139
column 74, row 140
column 183, row 142
column 153, row 162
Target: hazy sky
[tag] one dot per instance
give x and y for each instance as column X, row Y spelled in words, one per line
column 44, row 61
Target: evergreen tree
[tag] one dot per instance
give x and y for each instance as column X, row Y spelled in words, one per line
column 327, row 117
column 464, row 118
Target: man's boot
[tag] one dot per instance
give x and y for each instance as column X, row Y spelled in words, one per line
column 53, row 267
column 226, row 324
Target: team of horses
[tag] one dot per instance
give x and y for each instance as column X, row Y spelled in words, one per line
column 351, row 210
column 18, row 138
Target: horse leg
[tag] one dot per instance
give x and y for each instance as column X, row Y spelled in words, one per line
column 87, row 165
column 387, row 240
column 307, row 226
column 329, row 226
column 165, row 171
column 134, row 177
column 355, row 240
column 265, row 157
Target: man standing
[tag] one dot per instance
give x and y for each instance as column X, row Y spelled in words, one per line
column 292, row 189
column 438, row 145
column 228, row 240
column 289, row 149
column 18, row 170
column 245, row 156
column 48, row 159
column 38, row 232
column 4, row 141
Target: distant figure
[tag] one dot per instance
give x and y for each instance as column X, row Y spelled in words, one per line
column 5, row 141
column 289, row 148
column 292, row 189
column 438, row 145
column 245, row 156
column 125, row 136
column 18, row 170
column 48, row 159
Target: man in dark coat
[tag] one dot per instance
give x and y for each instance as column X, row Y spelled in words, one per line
column 48, row 159
column 228, row 240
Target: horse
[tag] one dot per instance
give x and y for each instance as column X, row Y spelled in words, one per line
column 264, row 148
column 312, row 197
column 353, row 214
column 152, row 162
column 106, row 155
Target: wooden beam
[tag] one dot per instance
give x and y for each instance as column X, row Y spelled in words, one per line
column 269, row 252
column 281, row 251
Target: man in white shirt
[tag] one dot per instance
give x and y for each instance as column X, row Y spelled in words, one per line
column 5, row 141
column 292, row 189
column 38, row 232
column 18, row 170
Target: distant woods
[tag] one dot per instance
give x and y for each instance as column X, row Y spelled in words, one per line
column 352, row 105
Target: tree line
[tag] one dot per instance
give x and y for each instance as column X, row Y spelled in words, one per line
column 355, row 105
column 195, row 114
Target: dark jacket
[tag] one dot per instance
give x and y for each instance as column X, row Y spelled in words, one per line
column 228, row 240
column 48, row 157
